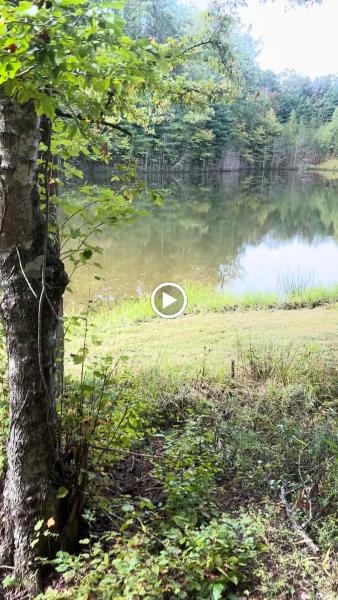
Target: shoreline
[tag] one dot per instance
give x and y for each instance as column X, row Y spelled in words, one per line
column 205, row 299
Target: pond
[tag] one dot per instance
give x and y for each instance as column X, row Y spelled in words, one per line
column 233, row 231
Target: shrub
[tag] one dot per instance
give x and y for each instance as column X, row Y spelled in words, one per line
column 204, row 562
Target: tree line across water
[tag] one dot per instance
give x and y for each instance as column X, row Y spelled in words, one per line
column 262, row 119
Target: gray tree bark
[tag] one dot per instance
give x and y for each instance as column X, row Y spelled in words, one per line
column 32, row 474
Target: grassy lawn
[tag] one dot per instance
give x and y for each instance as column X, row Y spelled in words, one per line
column 206, row 340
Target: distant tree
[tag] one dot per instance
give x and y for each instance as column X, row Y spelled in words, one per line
column 158, row 19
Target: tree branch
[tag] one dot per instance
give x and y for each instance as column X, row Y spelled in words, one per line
column 63, row 115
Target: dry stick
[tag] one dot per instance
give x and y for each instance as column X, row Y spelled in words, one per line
column 124, row 451
column 24, row 274
column 305, row 538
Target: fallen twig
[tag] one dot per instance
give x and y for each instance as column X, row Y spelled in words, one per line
column 305, row 538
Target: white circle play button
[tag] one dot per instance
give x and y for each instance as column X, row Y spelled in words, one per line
column 169, row 300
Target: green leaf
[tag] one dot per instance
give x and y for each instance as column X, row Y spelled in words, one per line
column 87, row 254
column 217, row 591
column 38, row 525
column 127, row 507
column 46, row 105
column 146, row 503
column 62, row 493
column 10, row 581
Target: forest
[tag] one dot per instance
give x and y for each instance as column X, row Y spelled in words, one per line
column 260, row 119
column 168, row 301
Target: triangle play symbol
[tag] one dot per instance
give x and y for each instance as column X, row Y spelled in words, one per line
column 167, row 300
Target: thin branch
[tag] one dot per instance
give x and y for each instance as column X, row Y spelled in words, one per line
column 305, row 538
column 108, row 446
column 52, row 307
column 26, row 71
column 193, row 47
column 123, row 451
column 79, row 117
column 118, row 127
column 88, row 205
column 24, row 274
column 84, row 350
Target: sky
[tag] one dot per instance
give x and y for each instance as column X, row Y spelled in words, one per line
column 264, row 266
column 302, row 39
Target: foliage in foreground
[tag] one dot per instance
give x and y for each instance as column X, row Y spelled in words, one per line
column 202, row 561
column 186, row 501
column 185, row 480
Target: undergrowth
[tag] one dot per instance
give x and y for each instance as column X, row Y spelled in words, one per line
column 209, row 488
column 186, row 480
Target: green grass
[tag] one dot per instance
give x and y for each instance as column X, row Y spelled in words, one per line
column 206, row 338
column 206, row 341
column 311, row 297
column 203, row 299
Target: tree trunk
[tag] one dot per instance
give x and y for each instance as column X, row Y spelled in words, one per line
column 29, row 308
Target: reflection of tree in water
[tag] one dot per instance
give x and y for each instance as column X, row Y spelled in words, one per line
column 202, row 228
column 227, row 272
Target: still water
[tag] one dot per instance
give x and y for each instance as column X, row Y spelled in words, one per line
column 243, row 233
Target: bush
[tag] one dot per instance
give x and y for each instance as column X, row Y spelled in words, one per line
column 204, row 562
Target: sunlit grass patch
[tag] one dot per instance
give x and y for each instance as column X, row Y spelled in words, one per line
column 204, row 299
column 313, row 296
column 203, row 342
column 207, row 298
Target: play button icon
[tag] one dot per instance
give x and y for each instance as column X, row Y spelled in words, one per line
column 169, row 300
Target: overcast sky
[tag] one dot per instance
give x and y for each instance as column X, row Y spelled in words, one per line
column 303, row 39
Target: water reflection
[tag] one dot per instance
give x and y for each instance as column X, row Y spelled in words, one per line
column 243, row 233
